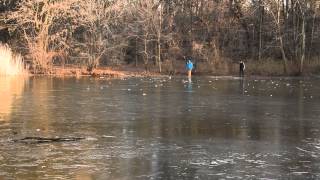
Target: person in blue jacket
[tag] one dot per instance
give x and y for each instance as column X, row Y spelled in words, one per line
column 189, row 66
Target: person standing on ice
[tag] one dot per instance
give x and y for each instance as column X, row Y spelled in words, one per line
column 189, row 67
column 242, row 67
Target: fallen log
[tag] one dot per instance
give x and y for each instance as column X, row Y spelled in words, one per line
column 47, row 140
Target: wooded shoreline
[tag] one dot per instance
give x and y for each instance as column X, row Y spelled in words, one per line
column 264, row 68
column 274, row 37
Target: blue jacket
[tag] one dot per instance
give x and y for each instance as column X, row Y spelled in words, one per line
column 189, row 65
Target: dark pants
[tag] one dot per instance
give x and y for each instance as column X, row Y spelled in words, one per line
column 241, row 73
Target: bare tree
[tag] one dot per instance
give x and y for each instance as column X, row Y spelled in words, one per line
column 97, row 19
column 39, row 23
column 274, row 8
column 149, row 29
column 103, row 32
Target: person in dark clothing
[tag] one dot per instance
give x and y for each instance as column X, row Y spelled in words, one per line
column 242, row 68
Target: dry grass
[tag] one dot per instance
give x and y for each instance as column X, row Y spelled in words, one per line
column 201, row 68
column 312, row 66
column 264, row 68
column 275, row 68
column 260, row 68
column 109, row 72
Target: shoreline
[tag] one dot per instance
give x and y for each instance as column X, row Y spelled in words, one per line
column 125, row 71
column 106, row 72
column 110, row 73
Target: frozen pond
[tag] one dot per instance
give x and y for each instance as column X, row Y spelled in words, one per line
column 161, row 128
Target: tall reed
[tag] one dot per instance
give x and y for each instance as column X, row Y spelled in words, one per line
column 11, row 63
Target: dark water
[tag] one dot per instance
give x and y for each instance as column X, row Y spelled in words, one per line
column 213, row 128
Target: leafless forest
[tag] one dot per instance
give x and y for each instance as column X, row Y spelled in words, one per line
column 158, row 35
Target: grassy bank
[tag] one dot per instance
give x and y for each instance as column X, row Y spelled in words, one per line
column 275, row 68
column 221, row 68
column 108, row 72
column 253, row 68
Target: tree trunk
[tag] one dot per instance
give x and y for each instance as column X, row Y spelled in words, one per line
column 136, row 53
column 145, row 58
column 159, row 39
column 191, row 27
column 312, row 35
column 159, row 53
column 303, row 46
column 284, row 57
column 260, row 29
